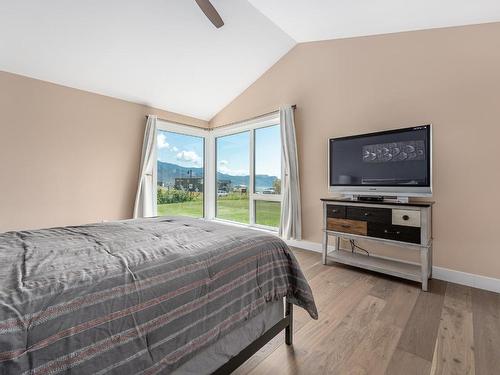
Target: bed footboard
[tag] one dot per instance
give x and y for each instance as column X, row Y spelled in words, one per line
column 289, row 326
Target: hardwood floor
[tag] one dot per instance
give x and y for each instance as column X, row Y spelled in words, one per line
column 374, row 324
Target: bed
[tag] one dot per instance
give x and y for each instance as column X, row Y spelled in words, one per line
column 148, row 296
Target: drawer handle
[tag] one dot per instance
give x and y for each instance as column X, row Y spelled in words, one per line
column 345, row 226
column 334, row 211
column 367, row 214
column 397, row 232
column 406, row 217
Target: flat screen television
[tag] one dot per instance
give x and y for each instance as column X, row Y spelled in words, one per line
column 395, row 163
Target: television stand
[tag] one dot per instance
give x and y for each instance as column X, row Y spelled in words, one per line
column 405, row 225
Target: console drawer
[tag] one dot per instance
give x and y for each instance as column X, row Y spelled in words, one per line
column 370, row 214
column 394, row 232
column 335, row 211
column 347, row 226
column 407, row 218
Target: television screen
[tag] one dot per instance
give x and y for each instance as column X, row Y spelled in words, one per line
column 396, row 158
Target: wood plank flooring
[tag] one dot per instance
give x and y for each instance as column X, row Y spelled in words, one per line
column 375, row 324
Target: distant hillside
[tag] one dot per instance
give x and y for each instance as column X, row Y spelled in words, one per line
column 167, row 172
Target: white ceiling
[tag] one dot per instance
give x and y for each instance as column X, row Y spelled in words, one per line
column 166, row 54
column 163, row 53
column 330, row 19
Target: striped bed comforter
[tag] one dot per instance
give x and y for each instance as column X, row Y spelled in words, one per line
column 134, row 297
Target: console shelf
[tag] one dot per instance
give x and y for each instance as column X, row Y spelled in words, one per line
column 373, row 263
column 407, row 226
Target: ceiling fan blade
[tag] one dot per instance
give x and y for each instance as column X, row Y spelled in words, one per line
column 210, row 12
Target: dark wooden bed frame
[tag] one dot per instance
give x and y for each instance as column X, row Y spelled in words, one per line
column 284, row 324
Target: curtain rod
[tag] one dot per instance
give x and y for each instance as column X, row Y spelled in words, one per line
column 223, row 126
column 178, row 123
column 249, row 119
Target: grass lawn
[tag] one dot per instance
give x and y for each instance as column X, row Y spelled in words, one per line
column 233, row 209
column 192, row 208
column 266, row 213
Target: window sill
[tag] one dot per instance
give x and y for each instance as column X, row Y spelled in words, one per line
column 248, row 226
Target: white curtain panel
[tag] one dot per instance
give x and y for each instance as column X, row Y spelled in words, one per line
column 291, row 225
column 145, row 197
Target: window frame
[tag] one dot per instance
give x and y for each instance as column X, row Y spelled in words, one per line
column 251, row 126
column 172, row 127
column 209, row 137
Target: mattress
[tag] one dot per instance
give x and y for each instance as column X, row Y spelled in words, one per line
column 135, row 297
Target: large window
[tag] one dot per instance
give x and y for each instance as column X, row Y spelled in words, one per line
column 233, row 177
column 267, row 177
column 231, row 173
column 180, row 174
column 248, row 174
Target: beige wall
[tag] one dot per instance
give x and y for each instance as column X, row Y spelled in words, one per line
column 67, row 156
column 450, row 77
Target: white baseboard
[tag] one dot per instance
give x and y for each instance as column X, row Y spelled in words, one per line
column 464, row 278
column 440, row 273
column 308, row 245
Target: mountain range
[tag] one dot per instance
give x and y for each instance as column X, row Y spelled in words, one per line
column 167, row 172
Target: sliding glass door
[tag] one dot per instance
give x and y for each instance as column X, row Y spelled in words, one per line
column 180, row 174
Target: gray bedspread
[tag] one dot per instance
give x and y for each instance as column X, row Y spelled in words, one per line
column 134, row 297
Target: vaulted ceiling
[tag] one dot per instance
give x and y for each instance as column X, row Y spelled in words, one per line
column 331, row 19
column 163, row 53
column 166, row 54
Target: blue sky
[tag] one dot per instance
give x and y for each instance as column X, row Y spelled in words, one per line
column 233, row 156
column 268, row 151
column 232, row 151
column 180, row 149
